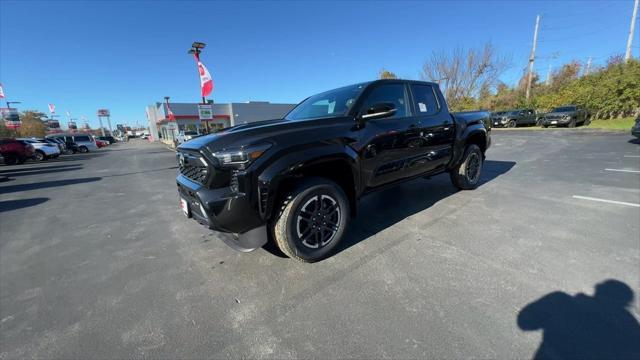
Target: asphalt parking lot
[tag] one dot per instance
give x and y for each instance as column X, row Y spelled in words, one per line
column 97, row 261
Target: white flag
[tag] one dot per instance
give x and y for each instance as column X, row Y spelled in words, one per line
column 1, row 92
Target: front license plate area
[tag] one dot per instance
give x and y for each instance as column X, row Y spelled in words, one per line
column 184, row 205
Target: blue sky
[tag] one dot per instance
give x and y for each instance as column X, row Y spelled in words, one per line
column 124, row 55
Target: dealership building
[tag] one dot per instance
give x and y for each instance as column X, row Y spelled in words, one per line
column 187, row 117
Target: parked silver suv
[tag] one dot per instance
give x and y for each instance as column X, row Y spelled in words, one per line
column 85, row 142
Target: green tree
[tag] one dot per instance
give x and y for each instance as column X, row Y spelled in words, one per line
column 32, row 124
column 386, row 74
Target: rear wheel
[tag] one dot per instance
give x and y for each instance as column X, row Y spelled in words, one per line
column 466, row 175
column 312, row 220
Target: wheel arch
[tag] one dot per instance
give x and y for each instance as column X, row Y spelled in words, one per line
column 284, row 174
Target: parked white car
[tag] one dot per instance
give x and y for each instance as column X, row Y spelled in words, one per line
column 184, row 136
column 44, row 150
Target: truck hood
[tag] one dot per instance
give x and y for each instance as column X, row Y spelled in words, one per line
column 260, row 131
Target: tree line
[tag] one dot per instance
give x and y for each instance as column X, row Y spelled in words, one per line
column 470, row 80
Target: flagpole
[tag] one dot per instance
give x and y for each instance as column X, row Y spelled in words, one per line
column 196, row 50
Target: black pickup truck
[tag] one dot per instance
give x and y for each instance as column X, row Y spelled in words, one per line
column 297, row 180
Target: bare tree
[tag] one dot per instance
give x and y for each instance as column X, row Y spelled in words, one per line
column 462, row 73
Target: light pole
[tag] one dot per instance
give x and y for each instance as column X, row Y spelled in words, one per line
column 196, row 49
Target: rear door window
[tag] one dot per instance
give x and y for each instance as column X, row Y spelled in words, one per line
column 82, row 138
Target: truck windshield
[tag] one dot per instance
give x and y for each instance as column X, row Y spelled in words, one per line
column 564, row 109
column 333, row 103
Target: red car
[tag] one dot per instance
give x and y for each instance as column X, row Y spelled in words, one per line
column 15, row 151
column 101, row 143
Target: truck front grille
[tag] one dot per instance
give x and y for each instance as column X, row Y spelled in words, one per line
column 193, row 167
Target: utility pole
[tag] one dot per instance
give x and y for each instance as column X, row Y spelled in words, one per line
column 532, row 57
column 588, row 69
column 627, row 56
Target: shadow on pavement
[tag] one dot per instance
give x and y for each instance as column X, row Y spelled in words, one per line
column 141, row 172
column 583, row 326
column 20, row 168
column 76, row 157
column 45, row 184
column 10, row 205
column 634, row 141
column 381, row 210
column 42, row 171
column 385, row 208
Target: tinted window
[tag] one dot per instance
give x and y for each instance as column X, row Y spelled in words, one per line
column 391, row 93
column 82, row 138
column 564, row 109
column 425, row 99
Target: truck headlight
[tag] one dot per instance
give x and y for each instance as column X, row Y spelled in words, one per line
column 240, row 158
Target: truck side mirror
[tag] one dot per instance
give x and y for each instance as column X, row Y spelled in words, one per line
column 379, row 111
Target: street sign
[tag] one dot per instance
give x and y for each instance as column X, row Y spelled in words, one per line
column 205, row 111
column 103, row 112
column 172, row 126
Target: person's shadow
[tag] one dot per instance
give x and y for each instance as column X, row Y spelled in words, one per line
column 585, row 327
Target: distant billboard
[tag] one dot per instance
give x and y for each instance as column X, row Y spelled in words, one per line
column 53, row 124
column 11, row 118
column 104, row 112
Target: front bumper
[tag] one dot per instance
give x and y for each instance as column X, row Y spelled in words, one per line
column 556, row 121
column 231, row 213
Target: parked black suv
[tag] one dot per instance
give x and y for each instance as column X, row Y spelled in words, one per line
column 514, row 118
column 635, row 130
column 568, row 115
column 299, row 178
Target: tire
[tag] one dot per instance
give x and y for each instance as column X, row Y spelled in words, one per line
column 512, row 124
column 39, row 156
column 545, row 126
column 572, row 123
column 10, row 159
column 83, row 149
column 296, row 235
column 466, row 175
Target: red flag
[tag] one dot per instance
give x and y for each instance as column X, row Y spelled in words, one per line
column 206, row 82
column 170, row 115
column 52, row 108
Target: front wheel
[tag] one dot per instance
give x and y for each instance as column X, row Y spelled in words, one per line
column 83, row 149
column 466, row 175
column 312, row 220
column 40, row 156
column 512, row 124
column 572, row 123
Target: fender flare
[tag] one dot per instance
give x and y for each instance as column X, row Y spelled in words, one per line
column 287, row 166
column 467, row 133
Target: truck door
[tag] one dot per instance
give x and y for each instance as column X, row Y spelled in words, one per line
column 388, row 142
column 437, row 132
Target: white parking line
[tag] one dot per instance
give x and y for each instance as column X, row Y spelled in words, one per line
column 633, row 156
column 625, row 170
column 605, row 201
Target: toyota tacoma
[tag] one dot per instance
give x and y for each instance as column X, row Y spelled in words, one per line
column 296, row 181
